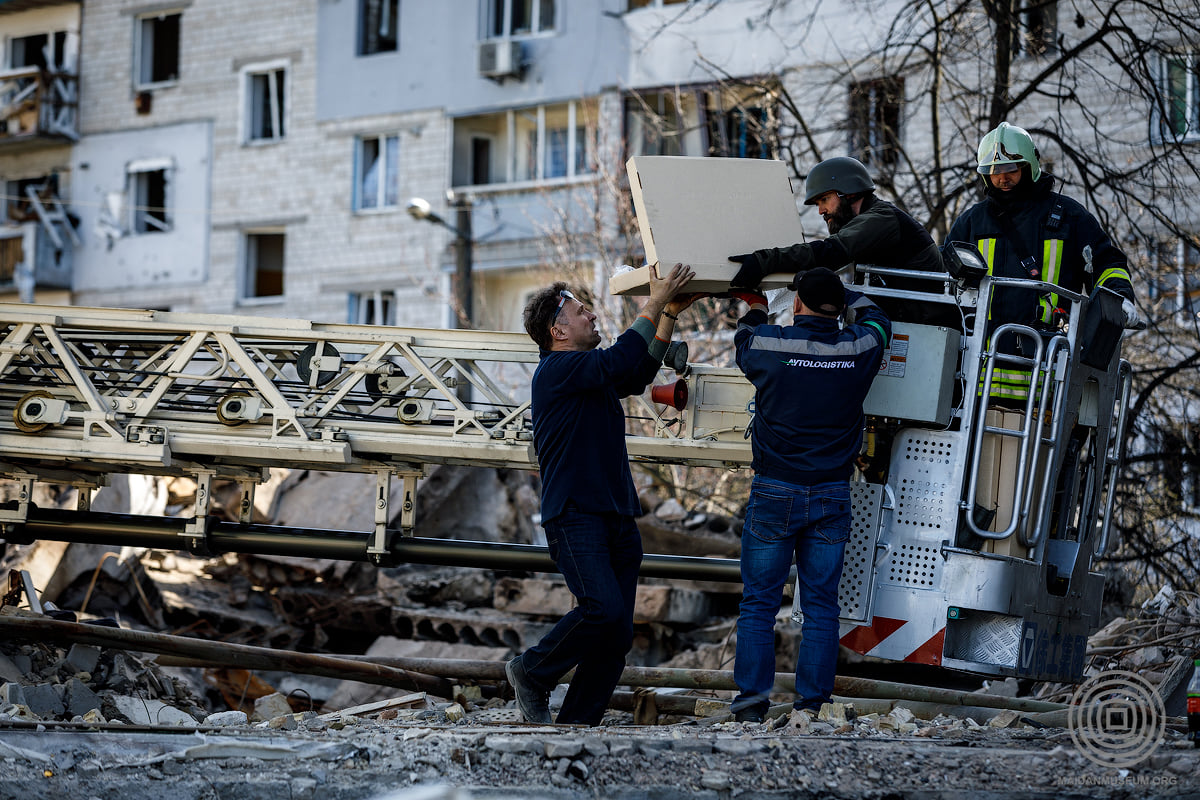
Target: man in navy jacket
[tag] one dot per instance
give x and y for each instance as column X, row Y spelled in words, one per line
column 588, row 498
column 810, row 380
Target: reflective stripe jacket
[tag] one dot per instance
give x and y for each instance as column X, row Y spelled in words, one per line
column 1075, row 254
column 810, row 379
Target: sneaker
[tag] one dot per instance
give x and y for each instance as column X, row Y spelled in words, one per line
column 748, row 715
column 534, row 704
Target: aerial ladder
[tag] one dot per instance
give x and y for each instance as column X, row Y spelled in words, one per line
column 86, row 393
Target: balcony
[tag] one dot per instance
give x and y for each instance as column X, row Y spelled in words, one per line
column 37, row 107
column 30, row 256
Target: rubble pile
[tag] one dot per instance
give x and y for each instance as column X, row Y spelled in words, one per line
column 1158, row 642
column 85, row 684
column 338, row 607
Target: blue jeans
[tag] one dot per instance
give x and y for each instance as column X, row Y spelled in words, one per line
column 811, row 523
column 598, row 556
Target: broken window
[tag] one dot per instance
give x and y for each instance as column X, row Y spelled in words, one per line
column 1037, row 29
column 737, row 132
column 263, row 267
column 265, row 103
column 528, row 144
column 636, row 4
column 875, row 120
column 379, row 24
column 505, row 18
column 156, row 54
column 17, row 206
column 12, row 253
column 373, row 308
column 481, row 160
column 148, row 197
column 658, row 122
column 41, row 50
column 567, row 148
column 732, row 122
column 1178, row 108
column 378, row 181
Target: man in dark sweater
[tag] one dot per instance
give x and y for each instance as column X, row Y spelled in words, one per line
column 862, row 230
column 810, row 379
column 588, row 498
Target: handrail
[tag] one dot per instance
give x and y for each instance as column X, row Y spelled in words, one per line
column 1112, row 460
column 1059, row 344
column 981, row 427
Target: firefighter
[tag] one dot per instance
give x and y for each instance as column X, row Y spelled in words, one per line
column 862, row 230
column 1025, row 229
column 810, row 379
column 588, row 498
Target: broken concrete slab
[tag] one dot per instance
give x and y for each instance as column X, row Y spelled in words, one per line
column 150, row 712
column 225, row 719
column 83, row 657
column 79, row 699
column 550, row 598
column 270, row 706
column 12, row 693
column 353, row 693
column 45, row 700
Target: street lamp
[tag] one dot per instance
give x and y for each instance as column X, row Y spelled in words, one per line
column 419, row 208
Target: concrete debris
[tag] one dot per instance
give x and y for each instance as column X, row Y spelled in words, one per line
column 223, row 719
column 270, row 706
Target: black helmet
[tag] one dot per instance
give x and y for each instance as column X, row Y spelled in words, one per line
column 843, row 175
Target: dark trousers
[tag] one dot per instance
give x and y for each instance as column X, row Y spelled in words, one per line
column 598, row 556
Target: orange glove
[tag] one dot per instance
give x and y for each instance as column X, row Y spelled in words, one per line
column 753, row 298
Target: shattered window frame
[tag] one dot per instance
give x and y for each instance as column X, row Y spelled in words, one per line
column 874, row 121
column 517, row 19
column 520, row 145
column 706, row 119
column 149, row 197
column 377, row 178
column 379, row 26
column 152, row 67
column 264, row 265
column 377, row 307
column 265, row 102
column 1178, row 112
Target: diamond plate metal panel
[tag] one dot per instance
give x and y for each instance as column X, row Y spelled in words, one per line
column 855, row 589
column 984, row 637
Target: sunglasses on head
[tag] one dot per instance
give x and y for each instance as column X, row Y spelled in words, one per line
column 563, row 297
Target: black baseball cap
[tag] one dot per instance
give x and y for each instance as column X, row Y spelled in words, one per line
column 822, row 290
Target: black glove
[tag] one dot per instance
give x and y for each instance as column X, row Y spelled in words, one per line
column 751, row 273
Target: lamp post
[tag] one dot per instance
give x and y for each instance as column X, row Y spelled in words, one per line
column 419, row 208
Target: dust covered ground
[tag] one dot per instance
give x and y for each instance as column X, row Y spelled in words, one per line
column 409, row 757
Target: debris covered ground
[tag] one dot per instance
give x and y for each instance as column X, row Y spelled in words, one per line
column 90, row 721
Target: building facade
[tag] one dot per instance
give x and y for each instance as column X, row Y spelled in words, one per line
column 260, row 158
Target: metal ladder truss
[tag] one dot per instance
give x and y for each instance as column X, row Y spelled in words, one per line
column 86, row 392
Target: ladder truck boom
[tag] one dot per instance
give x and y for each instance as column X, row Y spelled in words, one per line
column 973, row 542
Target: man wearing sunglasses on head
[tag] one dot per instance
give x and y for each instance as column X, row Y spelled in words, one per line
column 588, row 498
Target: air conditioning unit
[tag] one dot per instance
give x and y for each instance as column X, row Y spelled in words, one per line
column 499, row 58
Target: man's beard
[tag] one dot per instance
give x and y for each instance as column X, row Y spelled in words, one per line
column 838, row 219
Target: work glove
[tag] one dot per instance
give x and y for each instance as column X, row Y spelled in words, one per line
column 750, row 274
column 752, row 298
column 1133, row 320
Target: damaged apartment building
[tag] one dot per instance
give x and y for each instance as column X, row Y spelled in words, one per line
column 414, row 163
column 264, row 158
